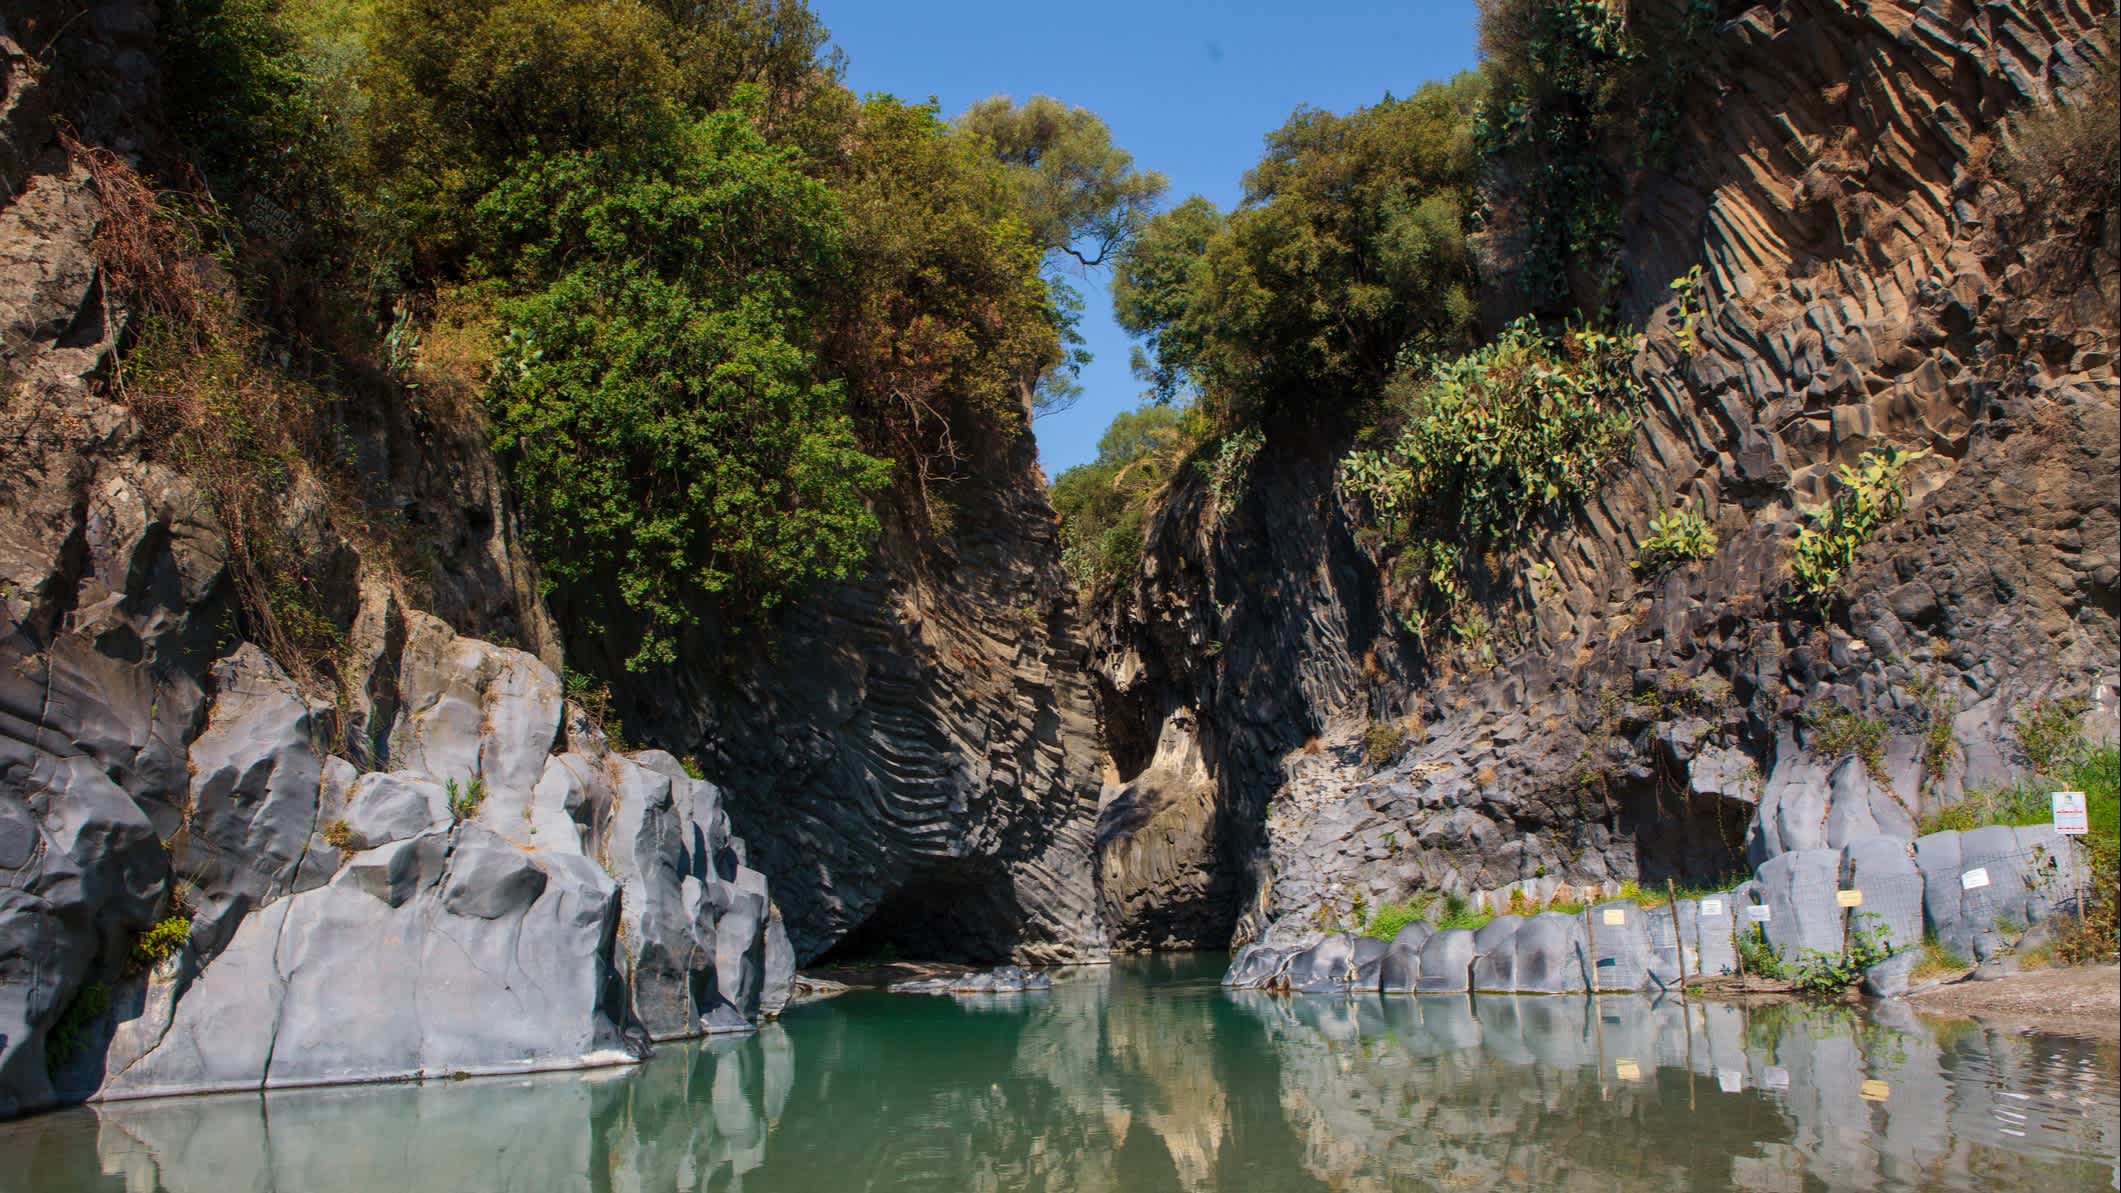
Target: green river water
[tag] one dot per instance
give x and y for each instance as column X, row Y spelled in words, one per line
column 1145, row 1076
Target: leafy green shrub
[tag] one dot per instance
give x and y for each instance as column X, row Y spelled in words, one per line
column 160, row 942
column 1494, row 438
column 1231, row 467
column 1824, row 974
column 1581, row 94
column 1871, row 494
column 1102, row 504
column 2051, row 732
column 1837, row 732
column 1677, row 536
column 1758, row 956
column 69, row 1033
column 1383, row 742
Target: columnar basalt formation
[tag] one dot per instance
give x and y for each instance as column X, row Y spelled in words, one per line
column 914, row 756
column 1872, row 278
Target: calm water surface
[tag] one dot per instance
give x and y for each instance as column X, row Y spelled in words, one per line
column 1144, row 1077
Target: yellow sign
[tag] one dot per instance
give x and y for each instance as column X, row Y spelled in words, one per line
column 1851, row 898
column 1614, row 917
column 1627, row 1070
column 1875, row 1090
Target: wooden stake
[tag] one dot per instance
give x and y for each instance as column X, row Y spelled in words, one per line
column 1671, row 891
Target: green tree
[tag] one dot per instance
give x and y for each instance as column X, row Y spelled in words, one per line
column 1080, row 198
column 1348, row 246
column 1080, row 194
column 655, row 398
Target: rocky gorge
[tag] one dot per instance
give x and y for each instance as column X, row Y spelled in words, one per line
column 225, row 868
column 1869, row 279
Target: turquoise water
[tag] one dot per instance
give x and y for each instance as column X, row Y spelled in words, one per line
column 1145, row 1076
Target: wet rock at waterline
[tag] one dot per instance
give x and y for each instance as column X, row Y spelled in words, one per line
column 1002, row 979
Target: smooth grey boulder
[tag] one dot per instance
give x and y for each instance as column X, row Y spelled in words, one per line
column 569, row 908
column 1891, row 977
column 1260, row 966
column 1495, row 954
column 1798, row 888
column 1937, row 857
column 1714, row 950
column 382, row 808
column 254, row 795
column 1446, row 963
column 1400, row 967
column 1671, row 928
column 1327, row 967
column 479, row 970
column 1551, row 955
column 2027, row 878
column 1369, row 959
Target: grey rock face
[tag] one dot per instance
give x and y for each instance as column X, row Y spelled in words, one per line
column 1327, row 967
column 570, row 905
column 1798, row 888
column 1495, row 954
column 1398, row 969
column 1552, row 955
column 1890, row 978
column 1446, row 963
column 1883, row 869
column 1684, row 694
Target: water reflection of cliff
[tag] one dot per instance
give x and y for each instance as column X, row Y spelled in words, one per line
column 1111, row 1084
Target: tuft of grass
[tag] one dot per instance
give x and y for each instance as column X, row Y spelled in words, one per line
column 1382, row 743
column 2051, row 732
column 1388, row 918
column 1938, row 960
column 464, row 804
column 340, row 836
column 1838, row 732
column 1459, row 912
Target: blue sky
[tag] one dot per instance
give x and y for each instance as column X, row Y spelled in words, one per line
column 1189, row 88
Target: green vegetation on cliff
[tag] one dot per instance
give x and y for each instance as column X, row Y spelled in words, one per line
column 714, row 312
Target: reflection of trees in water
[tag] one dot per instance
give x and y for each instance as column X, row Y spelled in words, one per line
column 1102, row 1086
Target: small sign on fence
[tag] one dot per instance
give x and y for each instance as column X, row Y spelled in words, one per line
column 1974, row 879
column 2070, row 817
column 1711, row 908
column 1627, row 1070
column 1848, row 898
column 1759, row 913
column 1615, row 917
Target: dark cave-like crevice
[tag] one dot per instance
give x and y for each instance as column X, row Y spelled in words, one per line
column 960, row 910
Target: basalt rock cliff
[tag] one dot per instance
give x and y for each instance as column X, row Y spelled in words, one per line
column 1870, row 278
column 223, row 869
